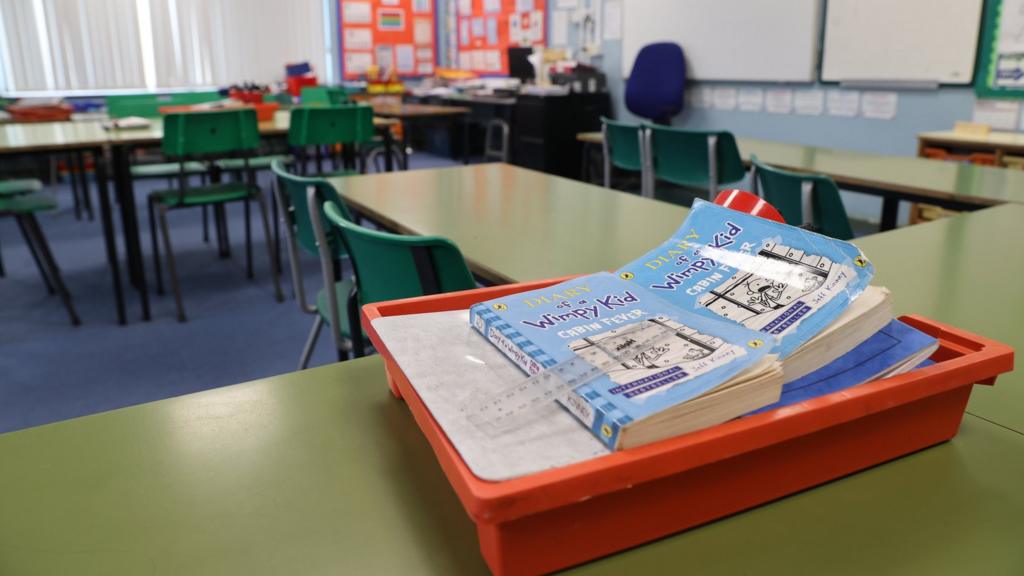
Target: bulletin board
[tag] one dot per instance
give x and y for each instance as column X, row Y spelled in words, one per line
column 1002, row 51
column 487, row 28
column 394, row 35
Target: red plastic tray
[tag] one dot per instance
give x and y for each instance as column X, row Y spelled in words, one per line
column 566, row 516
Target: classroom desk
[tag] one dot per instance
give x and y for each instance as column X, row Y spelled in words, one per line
column 998, row 143
column 893, row 178
column 514, row 224
column 416, row 114
column 46, row 138
column 324, row 472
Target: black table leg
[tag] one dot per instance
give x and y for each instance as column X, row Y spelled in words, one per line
column 389, row 146
column 106, row 218
column 129, row 219
column 890, row 211
column 83, row 183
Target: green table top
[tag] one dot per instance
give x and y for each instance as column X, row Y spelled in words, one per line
column 514, row 224
column 978, row 185
column 20, row 138
column 324, row 472
column 964, row 271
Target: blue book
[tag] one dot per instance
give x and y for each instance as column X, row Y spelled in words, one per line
column 700, row 372
column 895, row 349
column 780, row 280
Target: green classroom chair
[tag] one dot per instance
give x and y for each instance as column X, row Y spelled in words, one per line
column 692, row 158
column 330, row 126
column 18, row 187
column 808, row 200
column 291, row 195
column 386, row 266
column 23, row 207
column 323, row 95
column 209, row 136
column 623, row 149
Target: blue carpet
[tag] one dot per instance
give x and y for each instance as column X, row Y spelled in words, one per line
column 51, row 371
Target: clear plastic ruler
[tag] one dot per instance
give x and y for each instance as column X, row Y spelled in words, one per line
column 513, row 405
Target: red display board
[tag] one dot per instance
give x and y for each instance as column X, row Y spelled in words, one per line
column 394, row 35
column 487, row 28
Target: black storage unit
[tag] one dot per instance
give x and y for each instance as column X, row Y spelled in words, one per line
column 545, row 127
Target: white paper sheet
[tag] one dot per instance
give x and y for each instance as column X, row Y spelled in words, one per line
column 612, row 20
column 465, row 7
column 492, row 6
column 724, row 98
column 559, row 28
column 446, row 377
column 405, row 60
column 423, row 31
column 492, row 30
column 701, row 97
column 358, row 39
column 842, row 102
column 357, row 62
column 421, row 6
column 356, row 12
column 779, row 101
column 751, row 99
column 464, row 39
column 809, row 102
column 567, row 4
column 879, row 105
column 524, row 5
column 998, row 114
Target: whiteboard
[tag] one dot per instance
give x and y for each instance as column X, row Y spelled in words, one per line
column 766, row 40
column 901, row 40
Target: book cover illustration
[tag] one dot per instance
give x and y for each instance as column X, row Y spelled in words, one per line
column 780, row 280
column 592, row 316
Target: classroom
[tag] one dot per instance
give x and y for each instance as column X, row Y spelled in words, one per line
column 511, row 287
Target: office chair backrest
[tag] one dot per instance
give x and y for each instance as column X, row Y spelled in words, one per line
column 325, row 125
column 391, row 266
column 684, row 157
column 656, row 84
column 809, row 200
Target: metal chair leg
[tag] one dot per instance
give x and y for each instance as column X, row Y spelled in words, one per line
column 156, row 246
column 34, row 251
column 248, row 241
column 355, row 327
column 206, row 226
column 32, row 225
column 172, row 270
column 314, row 333
column 274, row 272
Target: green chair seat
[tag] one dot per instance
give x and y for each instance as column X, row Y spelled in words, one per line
column 256, row 163
column 19, row 186
column 27, row 203
column 166, row 169
column 212, row 194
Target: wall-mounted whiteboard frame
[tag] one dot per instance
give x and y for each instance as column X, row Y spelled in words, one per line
column 887, row 41
column 737, row 40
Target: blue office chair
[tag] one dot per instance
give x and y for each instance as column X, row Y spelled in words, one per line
column 656, row 84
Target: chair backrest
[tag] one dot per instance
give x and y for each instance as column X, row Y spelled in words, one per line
column 683, row 157
column 294, row 191
column 329, row 95
column 389, row 266
column 324, row 125
column 216, row 133
column 657, row 82
column 622, row 144
column 804, row 199
column 148, row 105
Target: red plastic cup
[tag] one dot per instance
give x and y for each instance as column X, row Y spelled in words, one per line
column 743, row 201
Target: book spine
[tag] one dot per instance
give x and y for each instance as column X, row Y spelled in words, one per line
column 601, row 417
column 509, row 341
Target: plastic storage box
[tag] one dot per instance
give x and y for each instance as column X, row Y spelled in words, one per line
column 566, row 516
